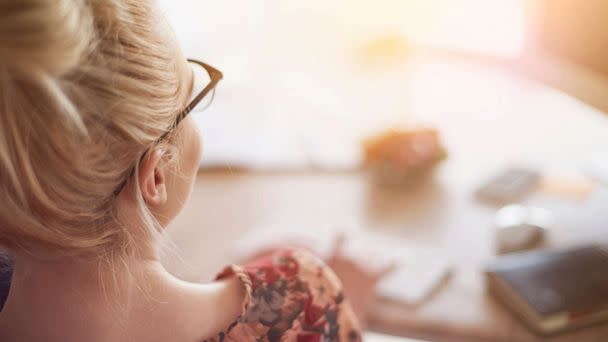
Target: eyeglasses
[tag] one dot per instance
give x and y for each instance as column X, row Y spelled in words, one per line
column 204, row 78
column 200, row 101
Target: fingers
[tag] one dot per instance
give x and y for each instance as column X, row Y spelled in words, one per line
column 339, row 243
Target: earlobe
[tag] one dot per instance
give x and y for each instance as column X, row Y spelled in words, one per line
column 152, row 180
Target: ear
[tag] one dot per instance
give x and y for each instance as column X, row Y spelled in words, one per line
column 152, row 179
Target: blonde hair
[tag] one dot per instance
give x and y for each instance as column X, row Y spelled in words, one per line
column 86, row 87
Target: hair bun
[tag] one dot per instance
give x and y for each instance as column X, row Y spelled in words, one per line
column 47, row 35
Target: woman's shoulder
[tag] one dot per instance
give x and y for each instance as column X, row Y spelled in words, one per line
column 291, row 295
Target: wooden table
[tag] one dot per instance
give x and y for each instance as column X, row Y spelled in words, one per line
column 488, row 119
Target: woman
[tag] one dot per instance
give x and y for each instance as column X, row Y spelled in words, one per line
column 98, row 153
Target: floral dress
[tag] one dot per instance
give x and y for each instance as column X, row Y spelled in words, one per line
column 290, row 296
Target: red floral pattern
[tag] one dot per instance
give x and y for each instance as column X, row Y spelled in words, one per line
column 291, row 296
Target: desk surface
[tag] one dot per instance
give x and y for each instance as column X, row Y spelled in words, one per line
column 225, row 206
column 488, row 119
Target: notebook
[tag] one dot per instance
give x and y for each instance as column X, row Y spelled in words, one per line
column 553, row 291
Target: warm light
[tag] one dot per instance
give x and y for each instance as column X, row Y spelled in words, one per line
column 494, row 27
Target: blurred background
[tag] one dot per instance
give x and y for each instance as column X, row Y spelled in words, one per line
column 502, row 83
column 316, row 76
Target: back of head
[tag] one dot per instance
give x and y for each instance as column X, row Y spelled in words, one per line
column 85, row 88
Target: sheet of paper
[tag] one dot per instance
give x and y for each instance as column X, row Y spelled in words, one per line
column 375, row 337
column 262, row 142
column 598, row 168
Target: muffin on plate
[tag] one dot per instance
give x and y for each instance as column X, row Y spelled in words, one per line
column 400, row 156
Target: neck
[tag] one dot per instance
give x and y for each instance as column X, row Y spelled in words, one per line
column 88, row 276
column 71, row 299
column 78, row 289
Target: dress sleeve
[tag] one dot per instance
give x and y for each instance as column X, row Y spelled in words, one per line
column 291, row 295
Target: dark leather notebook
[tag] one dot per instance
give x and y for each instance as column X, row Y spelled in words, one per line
column 553, row 291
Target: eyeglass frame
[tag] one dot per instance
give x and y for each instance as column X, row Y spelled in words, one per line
column 215, row 77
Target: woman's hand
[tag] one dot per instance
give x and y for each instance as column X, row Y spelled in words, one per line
column 358, row 277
